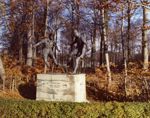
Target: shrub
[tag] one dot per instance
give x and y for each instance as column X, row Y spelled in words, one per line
column 42, row 109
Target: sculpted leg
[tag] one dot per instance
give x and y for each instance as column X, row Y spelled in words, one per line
column 45, row 65
column 76, row 65
column 54, row 59
column 46, row 53
column 78, row 59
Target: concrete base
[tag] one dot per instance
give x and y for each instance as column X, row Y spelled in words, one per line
column 61, row 87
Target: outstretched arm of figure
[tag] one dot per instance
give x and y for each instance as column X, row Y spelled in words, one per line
column 39, row 43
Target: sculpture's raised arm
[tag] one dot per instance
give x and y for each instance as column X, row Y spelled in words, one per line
column 39, row 43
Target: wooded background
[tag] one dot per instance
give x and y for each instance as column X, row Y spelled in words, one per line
column 117, row 33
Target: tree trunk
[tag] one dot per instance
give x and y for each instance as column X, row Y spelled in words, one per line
column 101, row 41
column 2, row 70
column 72, row 22
column 31, row 38
column 77, row 10
column 21, row 50
column 128, row 30
column 2, row 73
column 12, row 21
column 124, row 48
column 46, row 17
column 93, row 51
column 55, row 39
column 106, row 46
column 94, row 43
column 124, row 52
column 29, row 50
column 145, row 39
column 101, row 49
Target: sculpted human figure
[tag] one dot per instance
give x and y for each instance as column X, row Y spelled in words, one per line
column 80, row 43
column 49, row 44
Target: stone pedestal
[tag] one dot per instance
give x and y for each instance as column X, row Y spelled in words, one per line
column 61, row 87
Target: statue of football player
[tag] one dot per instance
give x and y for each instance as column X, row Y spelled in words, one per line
column 49, row 44
column 79, row 42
